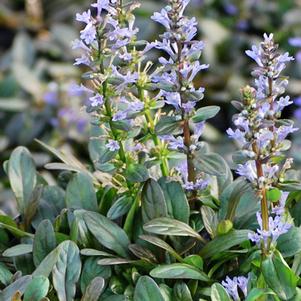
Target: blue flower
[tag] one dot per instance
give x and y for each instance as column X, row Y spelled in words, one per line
column 113, row 145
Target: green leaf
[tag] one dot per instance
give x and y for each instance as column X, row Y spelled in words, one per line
column 36, row 289
column 19, row 285
column 161, row 244
column 218, row 293
column 289, row 243
column 167, row 125
column 18, row 250
column 5, row 274
column 9, row 224
column 194, row 260
column 136, row 173
column 214, row 165
column 22, row 176
column 94, row 289
column 176, row 201
column 92, row 269
column 181, row 292
column 152, row 201
column 107, row 233
column 120, row 207
column 256, row 293
column 224, row 242
column 80, row 193
column 178, row 271
column 171, row 227
column 147, row 290
column 279, row 277
column 66, row 271
column 210, row 220
column 205, row 113
column 44, row 241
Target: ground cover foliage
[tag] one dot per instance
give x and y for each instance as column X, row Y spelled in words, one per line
column 154, row 213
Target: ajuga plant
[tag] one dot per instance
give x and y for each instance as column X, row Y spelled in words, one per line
column 155, row 215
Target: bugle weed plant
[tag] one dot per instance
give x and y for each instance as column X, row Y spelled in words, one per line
column 156, row 215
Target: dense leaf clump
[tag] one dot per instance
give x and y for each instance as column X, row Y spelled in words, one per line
column 156, row 215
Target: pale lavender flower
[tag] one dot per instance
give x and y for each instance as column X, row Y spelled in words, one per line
column 232, row 286
column 88, row 34
column 295, row 41
column 84, row 17
column 113, row 145
column 96, row 100
column 247, row 170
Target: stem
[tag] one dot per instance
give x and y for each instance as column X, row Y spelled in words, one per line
column 186, row 129
column 149, row 119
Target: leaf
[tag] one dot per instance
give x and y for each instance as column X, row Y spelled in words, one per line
column 107, row 233
column 289, row 244
column 218, row 293
column 209, row 217
column 22, row 176
column 136, row 173
column 176, row 201
column 80, row 193
column 167, row 125
column 92, row 252
column 36, row 289
column 279, row 277
column 181, row 292
column 256, row 293
column 44, row 241
column 66, row 271
column 18, row 250
column 46, row 266
column 205, row 113
column 152, row 201
column 214, row 165
column 94, row 289
column 224, row 242
column 13, row 104
column 5, row 274
column 178, row 271
column 19, row 285
column 171, row 227
column 120, row 207
column 161, row 244
column 92, row 269
column 147, row 290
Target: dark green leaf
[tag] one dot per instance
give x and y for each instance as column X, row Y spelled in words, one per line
column 22, row 176
column 147, row 290
column 44, row 241
column 167, row 125
column 181, row 292
column 289, row 244
column 279, row 277
column 80, row 193
column 94, row 289
column 18, row 250
column 5, row 274
column 178, row 271
column 153, row 203
column 224, row 242
column 120, row 207
column 176, row 201
column 107, row 233
column 205, row 113
column 136, row 173
column 66, row 271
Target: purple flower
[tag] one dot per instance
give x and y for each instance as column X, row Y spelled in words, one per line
column 232, row 285
column 247, row 170
column 231, row 9
column 113, row 145
column 83, row 60
column 96, row 100
column 120, row 115
column 84, row 17
column 295, row 42
column 277, row 227
column 88, row 34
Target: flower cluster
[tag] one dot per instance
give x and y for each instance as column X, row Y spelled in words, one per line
column 262, row 134
column 277, row 225
column 259, row 130
column 233, row 286
column 175, row 77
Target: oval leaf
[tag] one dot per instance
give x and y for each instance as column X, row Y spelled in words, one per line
column 147, row 290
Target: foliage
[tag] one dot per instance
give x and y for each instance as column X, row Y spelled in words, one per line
column 155, row 213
